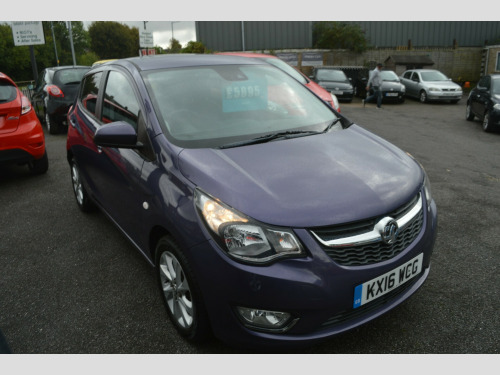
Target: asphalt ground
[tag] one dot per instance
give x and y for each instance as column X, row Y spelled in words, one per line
column 71, row 283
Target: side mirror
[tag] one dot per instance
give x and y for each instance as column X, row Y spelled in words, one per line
column 118, row 134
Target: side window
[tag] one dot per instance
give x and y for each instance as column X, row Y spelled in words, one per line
column 407, row 75
column 415, row 77
column 120, row 102
column 90, row 91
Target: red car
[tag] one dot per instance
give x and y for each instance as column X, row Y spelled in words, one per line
column 21, row 135
column 313, row 86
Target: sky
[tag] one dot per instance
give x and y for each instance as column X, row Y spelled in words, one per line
column 184, row 31
column 161, row 15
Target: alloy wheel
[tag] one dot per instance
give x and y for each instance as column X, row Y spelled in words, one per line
column 77, row 184
column 176, row 290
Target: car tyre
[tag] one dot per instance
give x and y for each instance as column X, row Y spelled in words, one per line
column 486, row 122
column 39, row 166
column 469, row 115
column 423, row 96
column 51, row 124
column 83, row 200
column 180, row 291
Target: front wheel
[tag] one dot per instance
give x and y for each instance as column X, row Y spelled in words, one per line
column 423, row 96
column 486, row 122
column 180, row 291
column 469, row 115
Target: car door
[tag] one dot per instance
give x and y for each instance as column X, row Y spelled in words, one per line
column 481, row 96
column 122, row 192
column 414, row 84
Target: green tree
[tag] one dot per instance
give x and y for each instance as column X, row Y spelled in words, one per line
column 175, row 46
column 194, row 47
column 338, row 35
column 113, row 40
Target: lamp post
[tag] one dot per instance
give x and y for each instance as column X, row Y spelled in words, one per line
column 172, row 23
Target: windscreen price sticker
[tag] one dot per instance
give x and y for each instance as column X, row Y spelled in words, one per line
column 27, row 33
column 244, row 97
column 389, row 281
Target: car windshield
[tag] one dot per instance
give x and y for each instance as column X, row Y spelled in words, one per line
column 212, row 106
column 69, row 76
column 331, row 75
column 287, row 69
column 433, row 76
column 389, row 75
column 7, row 92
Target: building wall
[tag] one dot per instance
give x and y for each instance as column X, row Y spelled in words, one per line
column 430, row 33
column 221, row 36
column 492, row 60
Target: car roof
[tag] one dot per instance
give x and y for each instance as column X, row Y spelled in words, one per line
column 67, row 67
column 248, row 54
column 179, row 61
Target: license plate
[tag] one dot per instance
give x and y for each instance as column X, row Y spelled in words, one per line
column 381, row 285
column 337, row 92
column 391, row 94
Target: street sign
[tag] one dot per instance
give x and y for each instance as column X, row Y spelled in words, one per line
column 146, row 39
column 27, row 33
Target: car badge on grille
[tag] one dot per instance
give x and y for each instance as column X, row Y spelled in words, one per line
column 390, row 232
column 388, row 229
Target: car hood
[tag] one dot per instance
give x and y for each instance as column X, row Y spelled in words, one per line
column 442, row 84
column 312, row 181
column 335, row 85
column 388, row 86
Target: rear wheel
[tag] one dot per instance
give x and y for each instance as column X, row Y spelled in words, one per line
column 82, row 199
column 180, row 291
column 52, row 125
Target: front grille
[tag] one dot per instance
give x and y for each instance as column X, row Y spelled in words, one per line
column 375, row 251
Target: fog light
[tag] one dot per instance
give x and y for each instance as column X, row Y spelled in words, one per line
column 265, row 320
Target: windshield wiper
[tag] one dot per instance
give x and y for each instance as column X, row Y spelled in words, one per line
column 331, row 125
column 271, row 137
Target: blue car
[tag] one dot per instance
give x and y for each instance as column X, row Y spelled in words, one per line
column 270, row 219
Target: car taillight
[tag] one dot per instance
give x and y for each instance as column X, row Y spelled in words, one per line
column 25, row 105
column 53, row 90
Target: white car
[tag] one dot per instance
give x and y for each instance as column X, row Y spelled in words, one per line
column 430, row 85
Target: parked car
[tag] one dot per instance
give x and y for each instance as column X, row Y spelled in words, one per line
column 54, row 93
column 430, row 85
column 21, row 135
column 392, row 89
column 484, row 102
column 334, row 81
column 271, row 219
column 299, row 76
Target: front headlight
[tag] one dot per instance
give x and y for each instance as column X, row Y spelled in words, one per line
column 335, row 101
column 434, row 89
column 243, row 238
column 427, row 189
column 496, row 106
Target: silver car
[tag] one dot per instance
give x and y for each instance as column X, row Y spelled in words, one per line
column 430, row 85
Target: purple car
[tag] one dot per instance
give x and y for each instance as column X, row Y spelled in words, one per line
column 270, row 219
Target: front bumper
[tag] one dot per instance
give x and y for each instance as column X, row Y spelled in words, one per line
column 315, row 290
column 440, row 96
